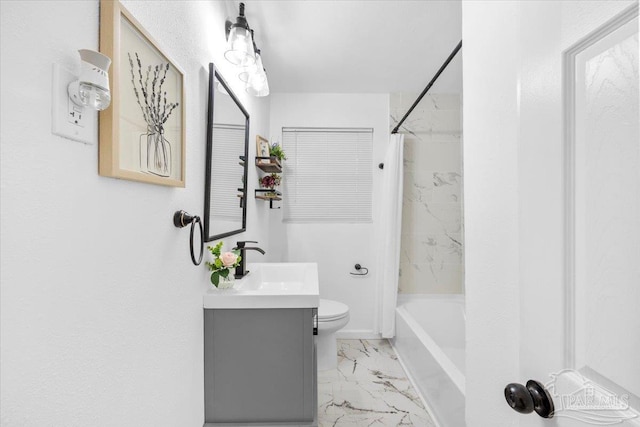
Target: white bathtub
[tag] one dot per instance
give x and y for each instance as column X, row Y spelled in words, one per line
column 430, row 331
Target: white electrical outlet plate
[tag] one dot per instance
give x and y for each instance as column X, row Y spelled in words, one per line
column 68, row 119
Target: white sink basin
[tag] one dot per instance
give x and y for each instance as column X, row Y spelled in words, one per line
column 270, row 285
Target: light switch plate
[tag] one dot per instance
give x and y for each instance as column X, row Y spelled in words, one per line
column 69, row 120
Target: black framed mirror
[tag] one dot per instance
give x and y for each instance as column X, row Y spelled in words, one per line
column 225, row 207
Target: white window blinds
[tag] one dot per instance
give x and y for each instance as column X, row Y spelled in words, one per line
column 228, row 141
column 328, row 174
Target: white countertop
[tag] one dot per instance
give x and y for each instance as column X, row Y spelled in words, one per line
column 270, row 285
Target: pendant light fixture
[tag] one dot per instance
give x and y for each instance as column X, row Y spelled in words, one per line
column 243, row 53
column 240, row 50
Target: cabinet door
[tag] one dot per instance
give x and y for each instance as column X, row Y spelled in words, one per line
column 259, row 365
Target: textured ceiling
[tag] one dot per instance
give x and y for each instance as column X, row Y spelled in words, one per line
column 342, row 46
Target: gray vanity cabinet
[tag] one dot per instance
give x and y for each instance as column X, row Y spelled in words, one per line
column 259, row 367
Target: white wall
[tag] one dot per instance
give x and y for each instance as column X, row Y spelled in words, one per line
column 337, row 247
column 101, row 308
column 490, row 153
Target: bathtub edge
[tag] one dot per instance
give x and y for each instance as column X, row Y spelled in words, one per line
column 414, row 384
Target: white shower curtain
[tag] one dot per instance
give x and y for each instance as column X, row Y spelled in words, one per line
column 391, row 220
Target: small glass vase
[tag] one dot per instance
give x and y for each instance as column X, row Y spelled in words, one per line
column 227, row 282
column 155, row 152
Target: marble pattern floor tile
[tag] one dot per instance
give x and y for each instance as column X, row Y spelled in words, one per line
column 369, row 388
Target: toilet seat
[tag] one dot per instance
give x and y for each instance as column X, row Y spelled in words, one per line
column 329, row 310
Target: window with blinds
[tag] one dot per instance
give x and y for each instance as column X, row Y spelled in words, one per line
column 328, row 174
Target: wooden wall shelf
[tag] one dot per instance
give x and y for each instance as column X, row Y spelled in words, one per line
column 268, row 194
column 269, row 164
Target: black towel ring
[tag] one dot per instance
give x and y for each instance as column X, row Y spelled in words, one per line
column 181, row 219
column 193, row 226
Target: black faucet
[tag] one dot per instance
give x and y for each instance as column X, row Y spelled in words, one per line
column 241, row 269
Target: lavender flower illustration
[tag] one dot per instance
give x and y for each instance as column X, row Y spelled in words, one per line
column 155, row 150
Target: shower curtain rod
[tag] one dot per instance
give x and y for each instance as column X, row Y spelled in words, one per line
column 426, row 89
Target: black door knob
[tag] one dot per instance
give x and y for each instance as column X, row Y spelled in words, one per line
column 519, row 398
column 542, row 402
column 533, row 397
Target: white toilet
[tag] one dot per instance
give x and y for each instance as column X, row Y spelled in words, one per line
column 332, row 316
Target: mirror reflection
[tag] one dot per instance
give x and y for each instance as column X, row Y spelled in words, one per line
column 226, row 168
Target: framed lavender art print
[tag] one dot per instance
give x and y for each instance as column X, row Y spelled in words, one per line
column 142, row 133
column 262, row 149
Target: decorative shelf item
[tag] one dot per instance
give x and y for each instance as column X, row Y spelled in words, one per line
column 270, row 181
column 268, row 164
column 268, row 194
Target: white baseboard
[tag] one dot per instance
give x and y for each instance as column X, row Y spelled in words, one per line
column 357, row 334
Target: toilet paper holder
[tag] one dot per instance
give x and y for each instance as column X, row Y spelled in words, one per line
column 360, row 271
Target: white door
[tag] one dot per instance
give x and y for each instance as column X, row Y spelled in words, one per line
column 552, row 210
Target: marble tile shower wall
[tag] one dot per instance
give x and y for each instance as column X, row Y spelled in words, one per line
column 432, row 253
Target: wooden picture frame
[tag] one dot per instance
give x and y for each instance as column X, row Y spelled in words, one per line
column 262, row 149
column 142, row 133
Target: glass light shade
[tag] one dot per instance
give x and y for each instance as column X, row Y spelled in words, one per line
column 240, row 47
column 258, row 85
column 245, row 75
column 251, row 70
